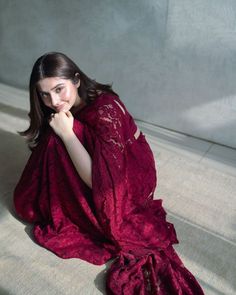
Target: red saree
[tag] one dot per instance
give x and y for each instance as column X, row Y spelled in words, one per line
column 118, row 218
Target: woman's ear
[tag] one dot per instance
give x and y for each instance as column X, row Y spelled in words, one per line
column 76, row 80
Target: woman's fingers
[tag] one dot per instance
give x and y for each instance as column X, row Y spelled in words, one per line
column 61, row 115
column 69, row 114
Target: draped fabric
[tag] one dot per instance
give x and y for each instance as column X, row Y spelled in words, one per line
column 116, row 219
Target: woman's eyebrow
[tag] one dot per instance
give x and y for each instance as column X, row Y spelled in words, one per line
column 53, row 87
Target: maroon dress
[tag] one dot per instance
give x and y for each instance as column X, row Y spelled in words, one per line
column 118, row 217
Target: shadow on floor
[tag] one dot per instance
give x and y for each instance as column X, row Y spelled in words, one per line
column 4, row 291
column 14, row 155
column 100, row 280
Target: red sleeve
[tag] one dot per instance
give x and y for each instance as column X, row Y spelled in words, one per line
column 109, row 179
column 110, row 130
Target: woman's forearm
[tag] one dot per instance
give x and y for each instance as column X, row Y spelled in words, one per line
column 79, row 156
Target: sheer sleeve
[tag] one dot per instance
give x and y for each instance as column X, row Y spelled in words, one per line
column 109, row 169
column 110, row 130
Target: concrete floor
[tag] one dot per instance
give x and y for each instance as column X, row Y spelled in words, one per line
column 197, row 182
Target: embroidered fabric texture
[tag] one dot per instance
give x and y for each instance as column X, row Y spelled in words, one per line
column 118, row 218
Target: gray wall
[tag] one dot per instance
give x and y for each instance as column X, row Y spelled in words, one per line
column 172, row 62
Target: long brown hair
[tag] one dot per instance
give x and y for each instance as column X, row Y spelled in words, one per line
column 55, row 64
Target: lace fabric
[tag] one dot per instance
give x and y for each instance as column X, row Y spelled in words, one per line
column 110, row 123
column 118, row 218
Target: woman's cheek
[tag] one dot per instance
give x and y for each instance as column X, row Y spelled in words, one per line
column 67, row 95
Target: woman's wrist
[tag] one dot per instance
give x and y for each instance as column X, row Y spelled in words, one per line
column 66, row 136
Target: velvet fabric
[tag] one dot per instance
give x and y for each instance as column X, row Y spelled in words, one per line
column 116, row 219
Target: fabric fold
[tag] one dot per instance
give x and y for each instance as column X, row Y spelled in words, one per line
column 151, row 273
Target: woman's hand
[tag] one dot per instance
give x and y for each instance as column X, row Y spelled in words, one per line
column 62, row 124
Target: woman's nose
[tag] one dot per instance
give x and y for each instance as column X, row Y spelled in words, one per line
column 55, row 100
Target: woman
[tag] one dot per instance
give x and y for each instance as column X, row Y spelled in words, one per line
column 89, row 183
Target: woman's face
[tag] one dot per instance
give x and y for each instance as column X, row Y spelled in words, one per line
column 59, row 94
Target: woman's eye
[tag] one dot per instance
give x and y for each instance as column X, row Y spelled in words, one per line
column 44, row 95
column 58, row 89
